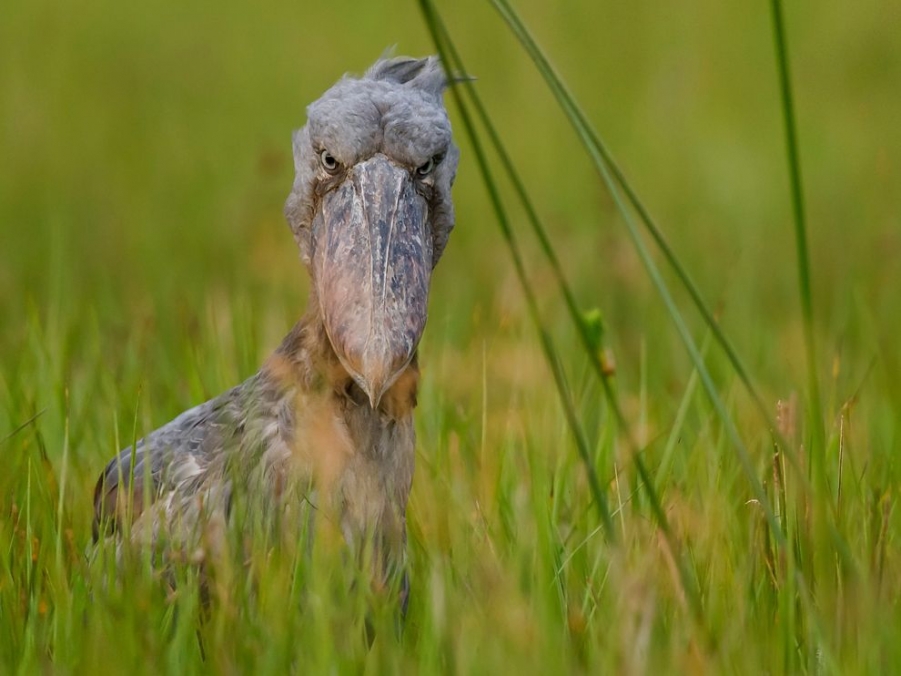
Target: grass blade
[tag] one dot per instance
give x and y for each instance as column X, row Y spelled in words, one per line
column 669, row 255
column 588, row 342
column 797, row 199
column 547, row 344
column 589, row 140
column 451, row 58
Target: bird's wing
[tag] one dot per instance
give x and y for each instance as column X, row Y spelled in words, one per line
column 174, row 454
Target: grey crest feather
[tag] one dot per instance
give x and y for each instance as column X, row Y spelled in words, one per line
column 425, row 74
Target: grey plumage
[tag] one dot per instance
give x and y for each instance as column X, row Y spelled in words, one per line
column 327, row 421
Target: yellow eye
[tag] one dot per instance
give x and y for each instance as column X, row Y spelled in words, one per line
column 328, row 162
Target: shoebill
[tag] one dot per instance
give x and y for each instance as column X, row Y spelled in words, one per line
column 326, row 425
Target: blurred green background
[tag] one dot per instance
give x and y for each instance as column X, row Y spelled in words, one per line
column 145, row 157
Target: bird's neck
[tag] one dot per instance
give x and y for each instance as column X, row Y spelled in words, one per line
column 306, row 360
column 360, row 459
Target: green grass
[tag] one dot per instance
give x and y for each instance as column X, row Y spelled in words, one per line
column 145, row 266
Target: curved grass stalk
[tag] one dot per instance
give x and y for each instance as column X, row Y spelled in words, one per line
column 547, row 344
column 592, row 144
column 613, row 176
column 450, row 57
column 572, row 307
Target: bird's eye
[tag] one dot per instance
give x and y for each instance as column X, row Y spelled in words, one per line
column 328, row 162
column 428, row 167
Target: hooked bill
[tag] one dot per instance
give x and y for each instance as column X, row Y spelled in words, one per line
column 372, row 255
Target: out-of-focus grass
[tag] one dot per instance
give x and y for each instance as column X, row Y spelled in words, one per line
column 145, row 266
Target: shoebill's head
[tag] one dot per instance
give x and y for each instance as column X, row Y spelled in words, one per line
column 371, row 211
